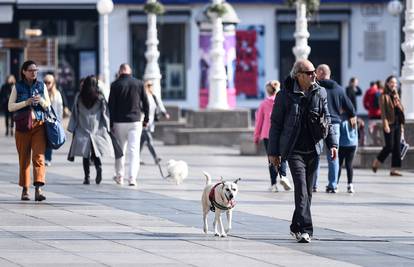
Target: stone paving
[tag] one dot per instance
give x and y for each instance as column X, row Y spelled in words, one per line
column 159, row 223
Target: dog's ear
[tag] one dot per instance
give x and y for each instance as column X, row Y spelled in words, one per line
column 238, row 179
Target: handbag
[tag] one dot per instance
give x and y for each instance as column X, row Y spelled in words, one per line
column 23, row 120
column 404, row 146
column 54, row 130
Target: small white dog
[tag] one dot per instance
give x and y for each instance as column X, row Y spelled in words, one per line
column 177, row 170
column 219, row 197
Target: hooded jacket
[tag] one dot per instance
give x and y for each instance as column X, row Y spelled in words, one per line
column 286, row 118
column 262, row 126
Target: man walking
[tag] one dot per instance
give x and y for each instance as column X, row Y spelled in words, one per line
column 338, row 102
column 127, row 99
column 293, row 136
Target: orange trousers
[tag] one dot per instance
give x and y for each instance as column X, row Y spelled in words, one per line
column 32, row 144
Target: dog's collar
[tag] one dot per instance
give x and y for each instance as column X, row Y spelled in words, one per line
column 214, row 203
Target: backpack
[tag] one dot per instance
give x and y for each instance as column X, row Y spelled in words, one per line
column 376, row 100
column 318, row 122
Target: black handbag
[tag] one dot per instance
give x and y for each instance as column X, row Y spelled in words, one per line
column 318, row 123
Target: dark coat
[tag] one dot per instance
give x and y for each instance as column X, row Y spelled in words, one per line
column 286, row 118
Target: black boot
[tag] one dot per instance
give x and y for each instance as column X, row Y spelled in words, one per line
column 98, row 178
column 38, row 194
column 86, row 170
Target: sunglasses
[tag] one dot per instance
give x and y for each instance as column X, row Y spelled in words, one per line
column 32, row 70
column 149, row 84
column 308, row 72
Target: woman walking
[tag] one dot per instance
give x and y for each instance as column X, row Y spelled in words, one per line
column 4, row 97
column 89, row 124
column 348, row 142
column 30, row 97
column 393, row 119
column 261, row 132
column 57, row 103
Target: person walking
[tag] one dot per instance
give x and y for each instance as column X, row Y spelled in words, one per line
column 352, row 91
column 30, row 96
column 338, row 103
column 295, row 136
column 57, row 104
column 348, row 142
column 89, row 124
column 5, row 92
column 261, row 132
column 393, row 119
column 127, row 101
column 371, row 101
column 155, row 111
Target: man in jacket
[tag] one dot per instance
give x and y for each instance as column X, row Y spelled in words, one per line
column 291, row 137
column 127, row 99
column 338, row 102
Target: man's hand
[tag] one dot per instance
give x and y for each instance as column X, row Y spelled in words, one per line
column 353, row 122
column 275, row 160
column 334, row 153
column 144, row 124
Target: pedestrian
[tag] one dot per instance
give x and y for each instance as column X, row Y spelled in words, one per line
column 5, row 92
column 261, row 132
column 338, row 104
column 371, row 101
column 352, row 91
column 393, row 119
column 89, row 124
column 127, row 102
column 155, row 111
column 30, row 97
column 57, row 104
column 348, row 142
column 297, row 136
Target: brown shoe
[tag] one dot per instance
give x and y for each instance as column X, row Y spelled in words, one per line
column 395, row 173
column 25, row 195
column 375, row 165
column 38, row 195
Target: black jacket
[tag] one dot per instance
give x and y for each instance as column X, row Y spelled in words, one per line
column 286, row 117
column 127, row 99
column 338, row 101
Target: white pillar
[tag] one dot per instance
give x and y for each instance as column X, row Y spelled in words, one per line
column 217, row 97
column 152, row 69
column 407, row 71
column 105, row 50
column 301, row 50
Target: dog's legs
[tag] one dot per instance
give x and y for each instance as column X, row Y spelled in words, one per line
column 229, row 214
column 205, row 228
column 217, row 222
column 220, row 224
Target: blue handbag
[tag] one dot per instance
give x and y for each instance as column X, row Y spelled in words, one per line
column 54, row 130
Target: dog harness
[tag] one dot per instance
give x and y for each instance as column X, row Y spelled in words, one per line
column 214, row 203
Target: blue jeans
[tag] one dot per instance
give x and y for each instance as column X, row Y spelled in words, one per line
column 333, row 165
column 272, row 170
column 48, row 154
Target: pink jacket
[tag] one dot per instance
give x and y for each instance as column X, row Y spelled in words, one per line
column 263, row 114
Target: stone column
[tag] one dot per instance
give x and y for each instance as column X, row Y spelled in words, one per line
column 152, row 69
column 217, row 76
column 301, row 50
column 407, row 71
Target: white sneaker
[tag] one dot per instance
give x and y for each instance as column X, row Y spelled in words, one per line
column 132, row 182
column 273, row 188
column 351, row 188
column 284, row 181
column 48, row 163
column 304, row 238
column 119, row 180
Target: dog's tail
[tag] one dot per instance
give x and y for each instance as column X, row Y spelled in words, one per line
column 208, row 177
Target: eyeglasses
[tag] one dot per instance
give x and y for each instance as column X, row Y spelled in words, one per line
column 308, row 72
column 32, row 70
column 47, row 82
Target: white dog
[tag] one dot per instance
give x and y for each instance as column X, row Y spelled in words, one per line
column 177, row 170
column 219, row 197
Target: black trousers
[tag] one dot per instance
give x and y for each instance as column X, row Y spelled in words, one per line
column 347, row 153
column 9, row 121
column 146, row 137
column 96, row 161
column 303, row 168
column 392, row 145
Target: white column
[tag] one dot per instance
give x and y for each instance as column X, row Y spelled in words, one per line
column 217, row 97
column 105, row 50
column 301, row 50
column 407, row 72
column 152, row 69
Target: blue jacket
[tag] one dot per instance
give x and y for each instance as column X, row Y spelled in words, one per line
column 286, row 117
column 24, row 92
column 338, row 101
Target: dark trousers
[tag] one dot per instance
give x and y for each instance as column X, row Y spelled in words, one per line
column 96, row 161
column 347, row 153
column 48, row 154
column 9, row 122
column 272, row 170
column 392, row 145
column 303, row 169
column 146, row 137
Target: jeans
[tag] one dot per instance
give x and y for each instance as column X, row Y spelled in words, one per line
column 146, row 137
column 392, row 145
column 347, row 153
column 48, row 154
column 303, row 169
column 333, row 165
column 272, row 170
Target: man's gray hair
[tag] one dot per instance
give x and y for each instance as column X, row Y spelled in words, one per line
column 297, row 67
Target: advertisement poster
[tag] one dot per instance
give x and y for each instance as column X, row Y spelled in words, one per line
column 250, row 73
column 230, row 63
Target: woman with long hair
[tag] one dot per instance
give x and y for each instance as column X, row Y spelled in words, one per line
column 89, row 124
column 57, row 103
column 30, row 96
column 5, row 92
column 393, row 119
